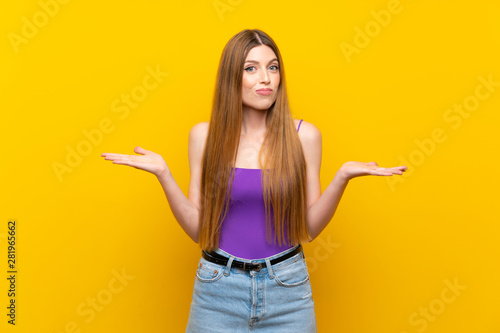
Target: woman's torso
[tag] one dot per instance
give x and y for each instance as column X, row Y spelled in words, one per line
column 243, row 231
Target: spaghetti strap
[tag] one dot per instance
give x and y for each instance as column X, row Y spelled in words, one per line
column 299, row 125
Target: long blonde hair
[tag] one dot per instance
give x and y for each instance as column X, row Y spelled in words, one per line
column 284, row 185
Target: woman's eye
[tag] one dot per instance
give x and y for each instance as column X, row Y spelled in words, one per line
column 276, row 68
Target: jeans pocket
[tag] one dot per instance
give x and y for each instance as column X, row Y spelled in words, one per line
column 292, row 274
column 209, row 272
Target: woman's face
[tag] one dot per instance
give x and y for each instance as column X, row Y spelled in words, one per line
column 261, row 71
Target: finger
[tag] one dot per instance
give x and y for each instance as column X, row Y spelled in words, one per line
column 137, row 165
column 384, row 172
column 375, row 171
column 124, row 162
column 396, row 169
column 108, row 156
column 380, row 173
column 399, row 168
column 140, row 150
column 372, row 163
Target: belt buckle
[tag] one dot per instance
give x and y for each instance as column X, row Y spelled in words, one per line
column 259, row 266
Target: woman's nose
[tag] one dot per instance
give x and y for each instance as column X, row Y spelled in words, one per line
column 264, row 77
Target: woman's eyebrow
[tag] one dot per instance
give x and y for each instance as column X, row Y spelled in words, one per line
column 255, row 61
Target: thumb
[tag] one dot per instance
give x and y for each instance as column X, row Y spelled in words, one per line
column 140, row 150
column 372, row 163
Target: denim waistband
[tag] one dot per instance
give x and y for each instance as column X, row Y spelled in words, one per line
column 261, row 260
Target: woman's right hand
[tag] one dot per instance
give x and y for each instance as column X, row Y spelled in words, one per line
column 147, row 161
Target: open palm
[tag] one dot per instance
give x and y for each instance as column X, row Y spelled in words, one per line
column 147, row 160
column 353, row 169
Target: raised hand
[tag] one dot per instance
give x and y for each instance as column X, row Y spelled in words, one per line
column 352, row 169
column 147, row 161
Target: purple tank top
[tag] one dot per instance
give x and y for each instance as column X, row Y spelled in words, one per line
column 243, row 231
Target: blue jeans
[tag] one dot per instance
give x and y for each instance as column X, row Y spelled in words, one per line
column 275, row 299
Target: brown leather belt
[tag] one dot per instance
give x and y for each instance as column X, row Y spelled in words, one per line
column 222, row 260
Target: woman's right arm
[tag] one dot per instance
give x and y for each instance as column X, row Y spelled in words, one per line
column 185, row 210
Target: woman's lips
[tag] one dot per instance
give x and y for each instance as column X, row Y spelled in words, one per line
column 264, row 92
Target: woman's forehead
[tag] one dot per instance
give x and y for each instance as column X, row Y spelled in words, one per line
column 261, row 53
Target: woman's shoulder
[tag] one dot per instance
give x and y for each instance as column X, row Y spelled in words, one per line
column 201, row 126
column 311, row 142
column 198, row 136
column 200, row 129
column 307, row 130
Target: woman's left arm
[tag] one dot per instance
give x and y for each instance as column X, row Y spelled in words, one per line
column 321, row 207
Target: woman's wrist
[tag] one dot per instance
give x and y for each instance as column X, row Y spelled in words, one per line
column 341, row 176
column 162, row 175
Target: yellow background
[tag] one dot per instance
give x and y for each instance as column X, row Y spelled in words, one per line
column 392, row 247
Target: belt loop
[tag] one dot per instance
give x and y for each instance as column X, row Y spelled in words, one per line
column 228, row 266
column 269, row 268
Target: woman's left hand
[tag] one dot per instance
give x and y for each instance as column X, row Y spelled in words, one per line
column 350, row 170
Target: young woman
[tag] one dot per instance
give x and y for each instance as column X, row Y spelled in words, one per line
column 254, row 197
